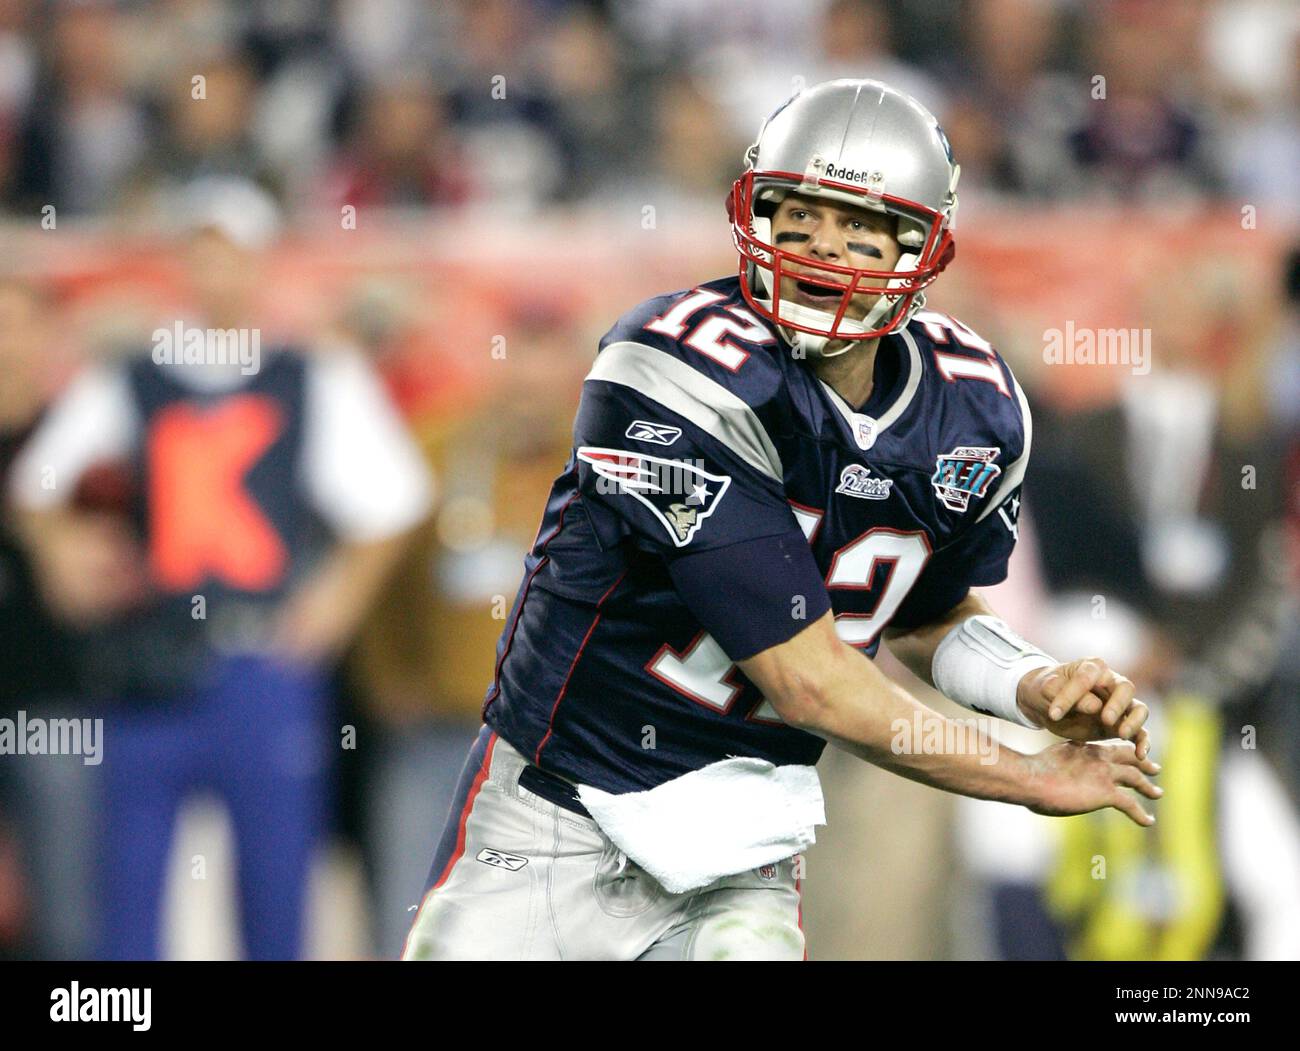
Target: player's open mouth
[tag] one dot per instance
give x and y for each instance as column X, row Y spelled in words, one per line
column 818, row 292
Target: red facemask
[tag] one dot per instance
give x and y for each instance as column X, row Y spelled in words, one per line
column 903, row 285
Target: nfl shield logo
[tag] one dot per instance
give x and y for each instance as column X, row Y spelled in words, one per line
column 767, row 872
column 864, row 431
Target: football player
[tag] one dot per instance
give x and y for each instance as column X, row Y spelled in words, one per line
column 771, row 472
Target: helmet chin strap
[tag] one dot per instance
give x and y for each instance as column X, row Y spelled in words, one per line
column 808, row 344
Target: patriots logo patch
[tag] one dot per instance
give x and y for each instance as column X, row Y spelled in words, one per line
column 679, row 493
column 856, row 480
column 967, row 471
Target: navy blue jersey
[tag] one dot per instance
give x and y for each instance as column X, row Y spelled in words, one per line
column 719, row 498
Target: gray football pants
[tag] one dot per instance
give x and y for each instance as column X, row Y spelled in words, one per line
column 529, row 880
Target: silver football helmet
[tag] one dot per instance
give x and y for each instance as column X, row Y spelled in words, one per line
column 858, row 142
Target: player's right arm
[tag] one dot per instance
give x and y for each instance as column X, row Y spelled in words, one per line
column 821, row 685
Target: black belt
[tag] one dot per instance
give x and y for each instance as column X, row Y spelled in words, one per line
column 553, row 789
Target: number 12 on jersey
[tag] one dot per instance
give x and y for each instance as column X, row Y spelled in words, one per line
column 706, row 675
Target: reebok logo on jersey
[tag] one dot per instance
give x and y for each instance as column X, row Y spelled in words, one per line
column 967, row 471
column 680, row 494
column 500, row 859
column 856, row 480
column 658, row 433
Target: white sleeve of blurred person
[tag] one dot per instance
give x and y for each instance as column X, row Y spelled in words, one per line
column 92, row 422
column 365, row 475
column 87, row 562
column 366, row 478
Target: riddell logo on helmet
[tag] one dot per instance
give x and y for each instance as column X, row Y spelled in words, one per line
column 851, row 174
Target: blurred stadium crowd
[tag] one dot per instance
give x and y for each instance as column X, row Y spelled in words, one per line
column 430, row 210
column 390, row 102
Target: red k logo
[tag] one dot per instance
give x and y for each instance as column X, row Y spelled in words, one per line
column 203, row 522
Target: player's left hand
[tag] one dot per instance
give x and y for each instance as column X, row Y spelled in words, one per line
column 1085, row 700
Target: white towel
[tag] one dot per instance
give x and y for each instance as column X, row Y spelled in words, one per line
column 730, row 816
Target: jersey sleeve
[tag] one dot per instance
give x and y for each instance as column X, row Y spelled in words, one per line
column 675, row 468
column 978, row 554
column 977, row 558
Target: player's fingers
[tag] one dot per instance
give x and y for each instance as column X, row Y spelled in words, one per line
column 1117, row 703
column 1132, row 777
column 1142, row 743
column 1080, row 682
column 1090, row 704
column 1122, row 754
column 1127, row 804
column 1133, row 721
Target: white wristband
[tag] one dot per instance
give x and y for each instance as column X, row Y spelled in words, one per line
column 979, row 664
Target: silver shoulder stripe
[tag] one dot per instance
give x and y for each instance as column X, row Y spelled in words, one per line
column 706, row 403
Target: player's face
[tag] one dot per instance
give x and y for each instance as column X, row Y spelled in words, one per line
column 831, row 232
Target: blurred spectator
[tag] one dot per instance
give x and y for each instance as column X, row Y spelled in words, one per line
column 378, row 36
column 1188, row 460
column 262, row 500
column 1281, row 693
column 85, row 135
column 35, row 659
column 668, row 32
column 1253, row 47
column 1178, row 582
column 836, row 38
column 1002, row 92
column 402, row 154
column 584, row 72
column 47, row 798
column 18, row 74
column 1148, row 135
column 206, row 130
column 514, row 143
column 856, row 39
